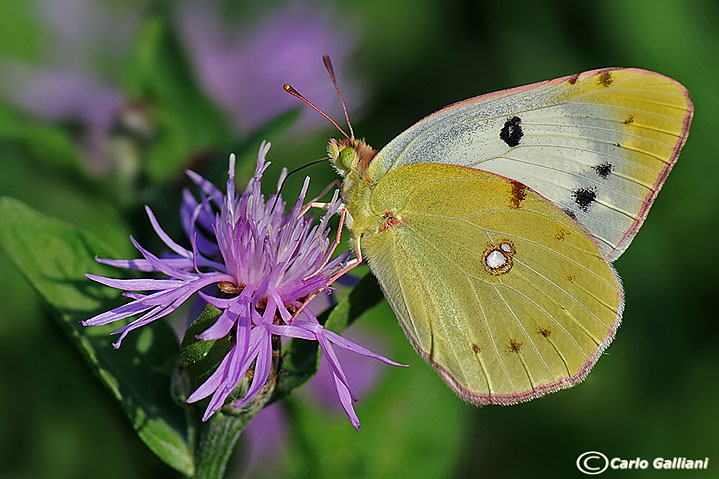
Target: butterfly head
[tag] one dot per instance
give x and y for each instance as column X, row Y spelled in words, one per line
column 350, row 154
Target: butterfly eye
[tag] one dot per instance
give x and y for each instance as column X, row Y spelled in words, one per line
column 347, row 158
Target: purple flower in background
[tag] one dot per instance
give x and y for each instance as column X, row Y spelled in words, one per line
column 264, row 443
column 244, row 68
column 65, row 84
column 241, row 66
column 265, row 261
column 56, row 96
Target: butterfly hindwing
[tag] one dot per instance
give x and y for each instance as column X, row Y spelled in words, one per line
column 500, row 290
column 599, row 144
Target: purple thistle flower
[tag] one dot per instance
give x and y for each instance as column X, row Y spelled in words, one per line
column 265, row 262
column 242, row 68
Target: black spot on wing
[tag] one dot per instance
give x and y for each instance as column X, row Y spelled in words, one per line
column 584, row 197
column 512, row 132
column 603, row 170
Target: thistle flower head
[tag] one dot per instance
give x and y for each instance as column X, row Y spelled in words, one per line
column 263, row 263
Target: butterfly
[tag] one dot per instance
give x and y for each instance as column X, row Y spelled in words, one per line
column 491, row 225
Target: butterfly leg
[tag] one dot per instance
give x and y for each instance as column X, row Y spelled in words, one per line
column 313, row 202
column 334, row 244
column 349, row 266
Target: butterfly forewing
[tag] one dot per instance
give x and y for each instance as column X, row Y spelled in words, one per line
column 599, row 144
column 499, row 289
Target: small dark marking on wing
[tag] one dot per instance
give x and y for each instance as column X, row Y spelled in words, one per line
column 629, row 120
column 476, row 348
column 514, row 345
column 584, row 197
column 512, row 131
column 517, row 195
column 603, row 170
column 605, row 79
column 573, row 79
column 542, row 331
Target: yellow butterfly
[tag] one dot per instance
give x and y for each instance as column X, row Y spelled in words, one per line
column 491, row 224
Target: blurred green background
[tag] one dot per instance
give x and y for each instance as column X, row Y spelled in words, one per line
column 103, row 104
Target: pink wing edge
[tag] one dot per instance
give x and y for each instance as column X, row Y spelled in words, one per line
column 541, row 389
column 649, row 199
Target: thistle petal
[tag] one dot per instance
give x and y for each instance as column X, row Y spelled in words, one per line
column 262, row 369
column 164, row 236
column 356, row 348
column 346, row 401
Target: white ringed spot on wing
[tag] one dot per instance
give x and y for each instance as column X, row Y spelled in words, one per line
column 497, row 258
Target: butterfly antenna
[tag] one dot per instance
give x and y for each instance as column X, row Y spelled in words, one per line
column 298, row 169
column 331, row 71
column 289, row 89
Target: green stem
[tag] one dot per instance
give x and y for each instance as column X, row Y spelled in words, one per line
column 217, row 443
column 220, row 434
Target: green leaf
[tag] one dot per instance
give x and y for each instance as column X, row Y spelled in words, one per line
column 188, row 122
column 54, row 257
column 46, row 143
column 201, row 357
column 301, row 357
column 63, row 196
